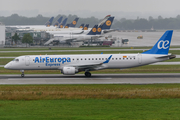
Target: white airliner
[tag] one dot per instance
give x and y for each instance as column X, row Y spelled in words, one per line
column 75, row 36
column 72, row 64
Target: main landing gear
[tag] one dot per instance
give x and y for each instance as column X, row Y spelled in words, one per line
column 22, row 75
column 87, row 74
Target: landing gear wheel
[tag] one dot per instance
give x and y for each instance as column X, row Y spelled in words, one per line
column 87, row 74
column 22, row 75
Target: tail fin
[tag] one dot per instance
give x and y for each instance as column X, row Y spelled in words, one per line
column 74, row 22
column 58, row 22
column 162, row 45
column 93, row 30
column 81, row 26
column 61, row 25
column 103, row 20
column 49, row 22
column 99, row 29
column 67, row 26
column 86, row 27
column 107, row 24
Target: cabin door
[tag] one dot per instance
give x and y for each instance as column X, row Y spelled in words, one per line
column 27, row 60
column 139, row 58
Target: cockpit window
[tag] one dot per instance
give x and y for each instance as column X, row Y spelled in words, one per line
column 17, row 60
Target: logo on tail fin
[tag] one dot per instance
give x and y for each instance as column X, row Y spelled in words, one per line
column 74, row 22
column 61, row 26
column 163, row 44
column 99, row 29
column 81, row 27
column 85, row 28
column 94, row 29
column 108, row 22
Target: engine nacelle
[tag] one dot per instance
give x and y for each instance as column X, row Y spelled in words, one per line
column 69, row 70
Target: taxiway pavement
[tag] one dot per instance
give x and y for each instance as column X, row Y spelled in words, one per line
column 95, row 79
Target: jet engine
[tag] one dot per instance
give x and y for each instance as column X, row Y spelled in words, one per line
column 69, row 70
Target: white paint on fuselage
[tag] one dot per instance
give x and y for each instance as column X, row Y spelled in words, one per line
column 118, row 61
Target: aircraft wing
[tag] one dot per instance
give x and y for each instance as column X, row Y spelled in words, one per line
column 91, row 66
column 68, row 39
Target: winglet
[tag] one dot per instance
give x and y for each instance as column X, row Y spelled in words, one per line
column 108, row 59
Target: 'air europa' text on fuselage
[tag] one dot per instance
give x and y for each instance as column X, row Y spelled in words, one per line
column 52, row 60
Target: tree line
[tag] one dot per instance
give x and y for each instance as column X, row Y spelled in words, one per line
column 122, row 24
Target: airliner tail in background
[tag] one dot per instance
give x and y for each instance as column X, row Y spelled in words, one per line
column 49, row 22
column 81, row 26
column 61, row 25
column 74, row 22
column 86, row 27
column 58, row 22
column 93, row 30
column 107, row 24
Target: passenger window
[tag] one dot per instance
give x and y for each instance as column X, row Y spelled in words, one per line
column 92, row 58
column 96, row 58
column 112, row 58
column 102, row 58
column 89, row 58
column 116, row 58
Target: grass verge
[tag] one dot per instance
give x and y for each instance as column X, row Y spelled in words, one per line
column 106, row 102
column 91, row 109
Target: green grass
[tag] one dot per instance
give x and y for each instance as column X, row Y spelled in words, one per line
column 105, row 102
column 91, row 109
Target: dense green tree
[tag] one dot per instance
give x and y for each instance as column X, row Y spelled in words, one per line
column 15, row 38
column 27, row 38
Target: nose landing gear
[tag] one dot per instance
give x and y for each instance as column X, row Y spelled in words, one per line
column 22, row 75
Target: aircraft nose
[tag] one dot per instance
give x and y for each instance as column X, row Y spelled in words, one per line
column 7, row 66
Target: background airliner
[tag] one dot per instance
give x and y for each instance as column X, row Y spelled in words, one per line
column 72, row 64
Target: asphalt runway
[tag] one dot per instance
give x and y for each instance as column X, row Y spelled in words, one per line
column 95, row 79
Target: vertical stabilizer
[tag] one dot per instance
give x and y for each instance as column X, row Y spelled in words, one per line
column 163, row 44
